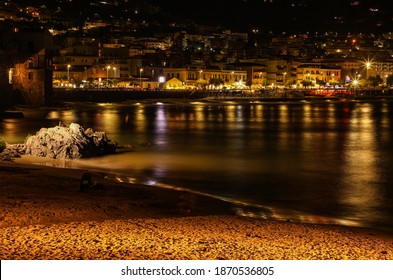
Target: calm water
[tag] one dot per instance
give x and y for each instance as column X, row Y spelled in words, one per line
column 323, row 162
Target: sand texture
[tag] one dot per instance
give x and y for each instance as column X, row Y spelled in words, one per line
column 43, row 215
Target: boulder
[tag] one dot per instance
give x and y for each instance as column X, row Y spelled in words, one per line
column 69, row 143
column 12, row 151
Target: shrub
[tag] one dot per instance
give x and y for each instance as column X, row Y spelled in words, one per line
column 27, row 137
column 3, row 144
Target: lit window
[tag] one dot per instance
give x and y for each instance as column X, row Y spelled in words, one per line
column 30, row 63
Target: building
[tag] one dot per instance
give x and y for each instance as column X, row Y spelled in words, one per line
column 317, row 74
column 383, row 69
column 256, row 72
column 206, row 78
column 26, row 65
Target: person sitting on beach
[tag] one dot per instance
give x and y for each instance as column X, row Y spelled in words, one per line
column 86, row 183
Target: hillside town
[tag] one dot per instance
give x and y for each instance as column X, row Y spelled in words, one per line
column 41, row 50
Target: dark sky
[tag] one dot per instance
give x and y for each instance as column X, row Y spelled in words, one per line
column 276, row 15
column 281, row 14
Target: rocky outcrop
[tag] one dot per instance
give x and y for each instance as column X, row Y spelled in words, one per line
column 60, row 142
column 69, row 143
column 12, row 151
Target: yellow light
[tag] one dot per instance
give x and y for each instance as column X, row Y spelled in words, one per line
column 10, row 75
column 68, row 72
column 140, row 77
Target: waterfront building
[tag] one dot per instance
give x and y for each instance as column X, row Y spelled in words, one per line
column 25, row 65
column 383, row 69
column 256, row 71
column 206, row 78
column 317, row 74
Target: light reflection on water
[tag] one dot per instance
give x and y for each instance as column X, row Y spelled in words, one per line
column 307, row 161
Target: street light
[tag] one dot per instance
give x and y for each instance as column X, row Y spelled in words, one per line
column 140, row 77
column 368, row 65
column 68, row 73
column 355, row 83
column 107, row 75
column 285, row 73
column 161, row 80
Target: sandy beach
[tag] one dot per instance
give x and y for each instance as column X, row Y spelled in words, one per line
column 43, row 215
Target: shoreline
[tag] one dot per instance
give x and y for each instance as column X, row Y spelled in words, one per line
column 45, row 216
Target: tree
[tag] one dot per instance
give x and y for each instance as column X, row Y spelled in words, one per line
column 78, row 81
column 389, row 80
column 291, row 83
column 374, row 81
column 320, row 82
column 306, row 83
column 216, row 82
column 201, row 83
column 62, row 76
column 249, row 84
column 265, row 83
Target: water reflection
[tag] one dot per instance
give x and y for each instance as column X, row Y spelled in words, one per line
column 360, row 191
column 10, row 131
column 161, row 126
column 320, row 161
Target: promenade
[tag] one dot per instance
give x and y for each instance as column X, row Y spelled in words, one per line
column 123, row 94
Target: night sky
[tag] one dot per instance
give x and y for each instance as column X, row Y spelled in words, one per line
column 243, row 15
column 283, row 14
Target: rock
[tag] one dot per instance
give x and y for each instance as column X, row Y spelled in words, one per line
column 69, row 143
column 12, row 151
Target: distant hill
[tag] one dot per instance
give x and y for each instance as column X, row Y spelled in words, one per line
column 242, row 15
column 287, row 15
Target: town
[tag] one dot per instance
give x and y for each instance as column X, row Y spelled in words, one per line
column 42, row 52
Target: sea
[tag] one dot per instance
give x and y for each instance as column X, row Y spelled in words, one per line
column 310, row 161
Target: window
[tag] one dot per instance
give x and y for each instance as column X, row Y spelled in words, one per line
column 30, row 63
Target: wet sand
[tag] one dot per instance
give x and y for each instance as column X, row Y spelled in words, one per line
column 43, row 215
